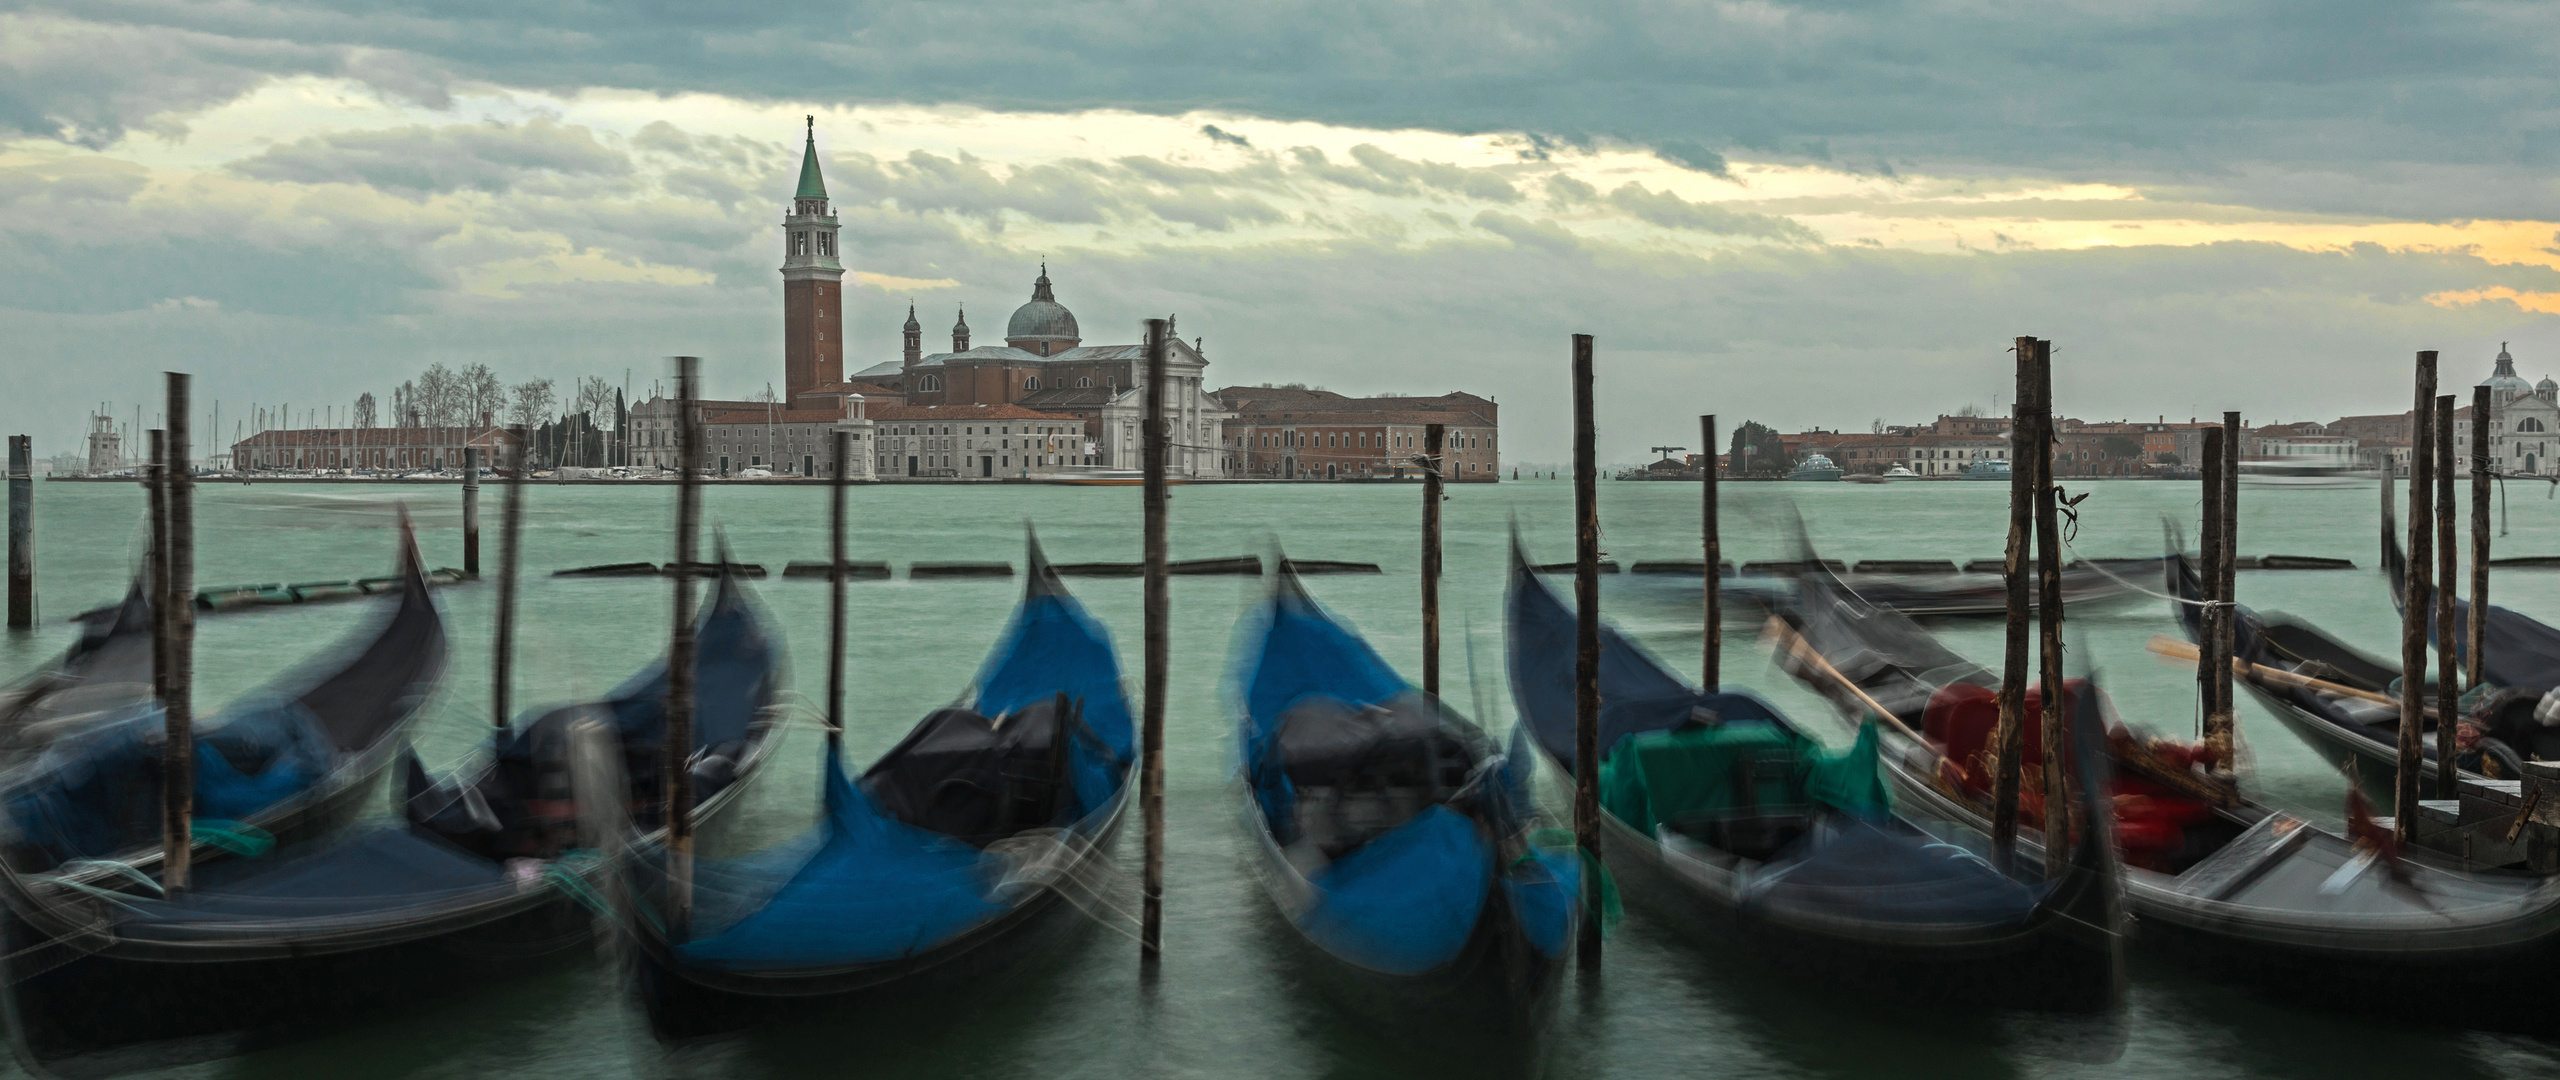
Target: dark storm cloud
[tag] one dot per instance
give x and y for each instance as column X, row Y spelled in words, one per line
column 2198, row 93
column 425, row 160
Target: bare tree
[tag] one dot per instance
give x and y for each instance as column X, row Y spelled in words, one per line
column 484, row 397
column 439, row 396
column 364, row 410
column 594, row 398
column 534, row 401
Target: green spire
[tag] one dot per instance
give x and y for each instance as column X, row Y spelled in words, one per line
column 811, row 186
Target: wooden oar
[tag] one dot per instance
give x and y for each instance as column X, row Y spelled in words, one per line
column 1795, row 643
column 2175, row 649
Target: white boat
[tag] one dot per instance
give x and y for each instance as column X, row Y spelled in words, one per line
column 2314, row 472
column 1816, row 467
column 1897, row 474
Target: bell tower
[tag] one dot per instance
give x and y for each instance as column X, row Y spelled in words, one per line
column 812, row 285
column 914, row 332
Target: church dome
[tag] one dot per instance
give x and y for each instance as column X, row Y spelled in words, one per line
column 2504, row 382
column 1043, row 319
column 2546, row 385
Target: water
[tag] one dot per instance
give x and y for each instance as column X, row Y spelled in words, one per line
column 1227, row 1002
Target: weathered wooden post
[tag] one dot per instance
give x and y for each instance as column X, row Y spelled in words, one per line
column 471, row 508
column 1435, row 439
column 2413, row 609
column 510, row 540
column 1586, row 648
column 2448, row 676
column 835, row 592
column 1158, row 652
column 2229, row 562
column 2209, row 569
column 22, row 534
column 2481, row 467
column 1709, row 530
column 2008, row 737
column 678, row 778
column 2055, row 734
column 178, row 598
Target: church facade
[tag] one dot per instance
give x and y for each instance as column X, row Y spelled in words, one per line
column 1044, row 366
column 2524, row 423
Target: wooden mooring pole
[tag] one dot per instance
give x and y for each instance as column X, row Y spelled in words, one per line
column 2415, row 590
column 2222, row 719
column 2477, row 633
column 1158, row 653
column 2055, row 735
column 510, row 550
column 678, row 749
column 22, row 534
column 178, row 596
column 2008, row 737
column 835, row 591
column 2209, row 570
column 471, row 508
column 1435, row 438
column 2448, row 675
column 1586, row 645
column 1709, row 531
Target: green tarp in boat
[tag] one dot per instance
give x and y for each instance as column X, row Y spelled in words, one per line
column 1697, row 771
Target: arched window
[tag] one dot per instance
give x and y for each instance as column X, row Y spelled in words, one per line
column 1082, row 384
column 2529, row 424
column 1032, row 383
column 930, row 383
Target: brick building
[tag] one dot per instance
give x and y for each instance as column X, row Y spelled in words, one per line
column 375, row 449
column 1923, row 452
column 1293, row 433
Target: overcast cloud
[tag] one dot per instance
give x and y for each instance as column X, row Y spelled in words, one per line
column 1808, row 214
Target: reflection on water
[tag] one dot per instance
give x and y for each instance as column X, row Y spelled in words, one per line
column 1227, row 1004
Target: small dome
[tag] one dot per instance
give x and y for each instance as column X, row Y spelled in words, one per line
column 2504, row 379
column 1044, row 318
column 2546, row 384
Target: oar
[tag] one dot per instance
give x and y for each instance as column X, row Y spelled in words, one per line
column 2175, row 649
column 1795, row 643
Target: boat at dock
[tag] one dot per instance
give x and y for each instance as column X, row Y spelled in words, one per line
column 1817, row 468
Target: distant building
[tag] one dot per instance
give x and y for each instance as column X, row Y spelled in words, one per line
column 401, row 449
column 106, row 448
column 979, row 442
column 2524, row 426
column 1920, row 450
column 1293, row 433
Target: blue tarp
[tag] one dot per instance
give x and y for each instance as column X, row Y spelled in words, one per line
column 1407, row 901
column 387, row 871
column 1865, row 872
column 1636, row 692
column 874, row 889
column 862, row 887
column 97, row 791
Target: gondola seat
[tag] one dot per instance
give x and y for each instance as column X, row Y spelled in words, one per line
column 980, row 780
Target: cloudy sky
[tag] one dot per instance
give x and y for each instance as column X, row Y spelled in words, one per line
column 1806, row 214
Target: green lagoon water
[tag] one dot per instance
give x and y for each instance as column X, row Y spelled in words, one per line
column 1228, row 1003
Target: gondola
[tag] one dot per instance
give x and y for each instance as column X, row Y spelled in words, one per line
column 106, row 669
column 947, row 860
column 1745, row 833
column 1397, row 841
column 1939, row 596
column 290, row 762
column 2228, row 887
column 484, row 874
column 2356, row 714
column 2521, row 654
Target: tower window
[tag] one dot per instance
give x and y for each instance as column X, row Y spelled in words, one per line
column 799, row 243
column 826, row 243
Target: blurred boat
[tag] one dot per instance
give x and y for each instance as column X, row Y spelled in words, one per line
column 106, row 669
column 2521, row 653
column 294, row 760
column 1942, row 595
column 1988, row 469
column 2351, row 711
column 1400, row 845
column 486, row 874
column 1816, row 467
column 1719, row 812
column 948, row 860
column 2221, row 884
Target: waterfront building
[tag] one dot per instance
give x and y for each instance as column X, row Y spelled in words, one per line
column 399, row 449
column 1923, row 451
column 981, row 442
column 106, row 447
column 1294, row 433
